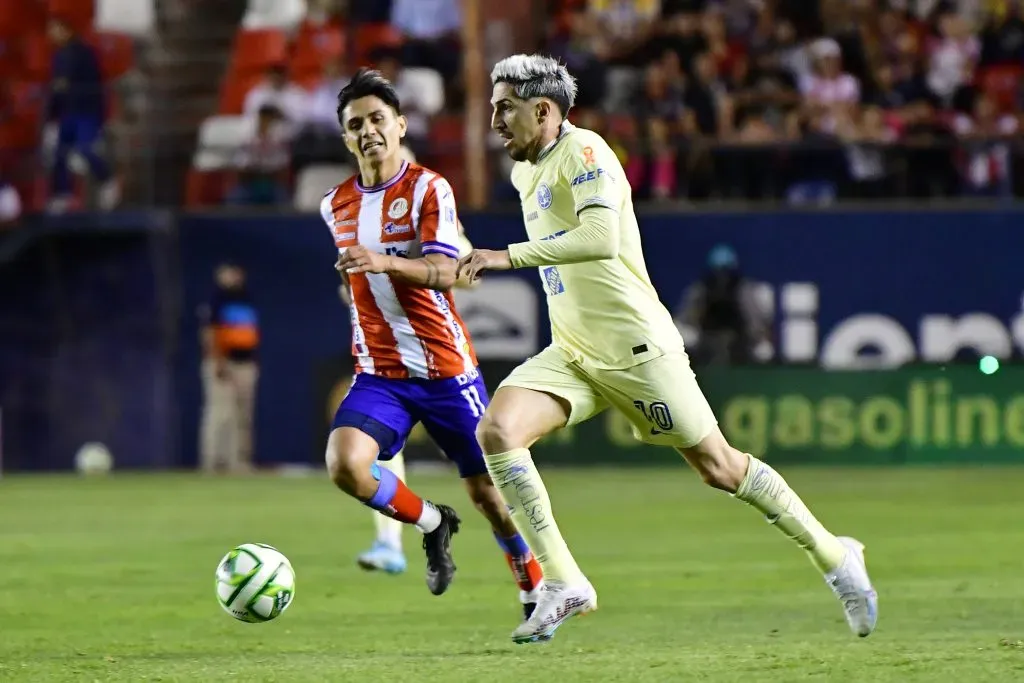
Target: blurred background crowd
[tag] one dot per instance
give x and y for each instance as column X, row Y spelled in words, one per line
column 113, row 102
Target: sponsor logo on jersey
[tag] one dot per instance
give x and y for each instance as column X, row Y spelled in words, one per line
column 395, row 229
column 587, row 177
column 552, row 280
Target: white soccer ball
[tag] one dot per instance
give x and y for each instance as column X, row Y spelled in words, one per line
column 255, row 583
column 93, row 458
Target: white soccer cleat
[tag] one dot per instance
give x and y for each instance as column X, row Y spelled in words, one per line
column 557, row 602
column 851, row 584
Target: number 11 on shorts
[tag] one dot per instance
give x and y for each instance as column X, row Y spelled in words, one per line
column 657, row 413
column 472, row 397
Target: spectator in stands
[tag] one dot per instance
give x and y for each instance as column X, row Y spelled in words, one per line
column 1002, row 40
column 584, row 49
column 263, row 162
column 663, row 116
column 322, row 111
column 829, row 93
column 275, row 91
column 230, row 371
column 431, row 32
column 10, row 205
column 952, row 57
column 985, row 166
column 77, row 116
column 320, row 140
column 414, row 103
column 866, row 137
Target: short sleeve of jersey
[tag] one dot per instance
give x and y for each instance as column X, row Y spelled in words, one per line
column 591, row 169
column 439, row 221
column 327, row 212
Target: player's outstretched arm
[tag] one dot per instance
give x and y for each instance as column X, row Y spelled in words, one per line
column 596, row 239
column 433, row 271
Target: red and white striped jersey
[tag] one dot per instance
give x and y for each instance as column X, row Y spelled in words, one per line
column 399, row 330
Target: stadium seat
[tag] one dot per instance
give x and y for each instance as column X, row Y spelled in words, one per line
column 79, row 13
column 447, row 134
column 19, row 16
column 233, row 90
column 314, row 47
column 1002, row 82
column 116, row 53
column 131, row 17
column 427, row 87
column 219, row 139
column 313, row 181
column 371, row 36
column 257, row 50
column 279, row 14
column 35, row 55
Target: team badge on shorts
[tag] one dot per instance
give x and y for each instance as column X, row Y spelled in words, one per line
column 398, row 208
column 544, row 196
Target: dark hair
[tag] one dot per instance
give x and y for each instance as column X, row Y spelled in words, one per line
column 368, row 83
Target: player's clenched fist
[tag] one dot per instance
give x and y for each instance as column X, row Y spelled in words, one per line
column 359, row 259
column 477, row 261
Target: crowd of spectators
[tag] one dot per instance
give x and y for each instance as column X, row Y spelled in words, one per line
column 800, row 100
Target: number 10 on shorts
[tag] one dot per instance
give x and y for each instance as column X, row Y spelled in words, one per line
column 472, row 397
column 657, row 413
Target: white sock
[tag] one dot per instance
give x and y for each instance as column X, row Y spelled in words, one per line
column 429, row 519
column 389, row 531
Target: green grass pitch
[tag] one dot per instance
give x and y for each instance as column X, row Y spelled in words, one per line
column 111, row 579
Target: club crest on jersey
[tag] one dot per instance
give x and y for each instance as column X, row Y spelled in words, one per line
column 544, row 196
column 398, row 208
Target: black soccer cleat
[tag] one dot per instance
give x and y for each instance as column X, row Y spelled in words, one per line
column 438, row 547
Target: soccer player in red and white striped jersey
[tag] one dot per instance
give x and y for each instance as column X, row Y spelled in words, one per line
column 395, row 225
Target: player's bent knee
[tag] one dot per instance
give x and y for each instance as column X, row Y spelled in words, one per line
column 719, row 465
column 496, row 433
column 349, row 458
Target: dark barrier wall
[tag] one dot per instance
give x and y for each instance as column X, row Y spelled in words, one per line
column 886, row 287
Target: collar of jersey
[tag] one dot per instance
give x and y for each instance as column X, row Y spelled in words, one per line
column 387, row 183
column 564, row 130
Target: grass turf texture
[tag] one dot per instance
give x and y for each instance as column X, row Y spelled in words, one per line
column 112, row 580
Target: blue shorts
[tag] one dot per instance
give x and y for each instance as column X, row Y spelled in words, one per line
column 388, row 409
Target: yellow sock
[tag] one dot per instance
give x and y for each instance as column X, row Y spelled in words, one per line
column 389, row 531
column 521, row 488
column 766, row 490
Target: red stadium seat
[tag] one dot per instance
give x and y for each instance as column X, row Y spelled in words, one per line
column 36, row 57
column 371, row 36
column 233, row 91
column 207, row 188
column 447, row 134
column 258, row 50
column 79, row 13
column 20, row 16
column 116, row 53
column 315, row 46
column 1002, row 83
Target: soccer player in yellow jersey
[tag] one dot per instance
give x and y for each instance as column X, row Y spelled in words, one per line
column 613, row 345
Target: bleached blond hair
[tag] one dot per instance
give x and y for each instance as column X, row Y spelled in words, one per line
column 537, row 76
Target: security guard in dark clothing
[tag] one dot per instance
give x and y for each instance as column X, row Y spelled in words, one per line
column 723, row 307
column 230, row 371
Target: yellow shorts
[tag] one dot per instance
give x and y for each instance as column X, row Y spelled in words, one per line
column 660, row 397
